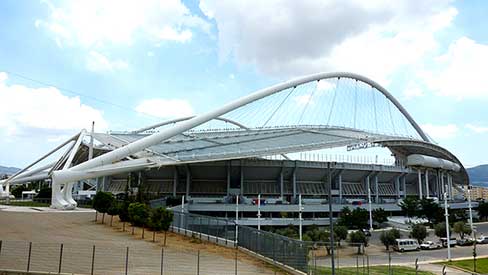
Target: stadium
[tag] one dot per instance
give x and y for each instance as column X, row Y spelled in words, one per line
column 301, row 147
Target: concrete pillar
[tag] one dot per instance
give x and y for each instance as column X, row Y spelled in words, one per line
column 449, row 180
column 339, row 178
column 228, row 178
column 427, row 191
column 294, row 182
column 175, row 180
column 376, row 190
column 397, row 186
column 420, row 183
column 282, row 191
column 442, row 184
column 188, row 182
column 404, row 185
column 242, row 180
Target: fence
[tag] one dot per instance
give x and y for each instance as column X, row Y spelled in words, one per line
column 68, row 258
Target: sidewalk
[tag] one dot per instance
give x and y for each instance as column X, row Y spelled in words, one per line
column 437, row 269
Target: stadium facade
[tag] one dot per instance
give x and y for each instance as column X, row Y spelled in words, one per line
column 272, row 143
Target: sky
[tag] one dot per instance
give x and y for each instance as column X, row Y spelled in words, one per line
column 128, row 64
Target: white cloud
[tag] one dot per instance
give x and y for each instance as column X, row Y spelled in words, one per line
column 460, row 72
column 477, row 128
column 43, row 112
column 98, row 62
column 165, row 108
column 293, row 38
column 150, row 53
column 93, row 24
column 413, row 91
column 441, row 131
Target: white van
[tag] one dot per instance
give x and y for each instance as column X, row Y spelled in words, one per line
column 406, row 245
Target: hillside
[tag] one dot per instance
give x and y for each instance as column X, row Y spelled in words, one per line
column 478, row 175
column 8, row 170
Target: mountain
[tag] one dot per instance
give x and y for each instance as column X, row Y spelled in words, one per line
column 8, row 170
column 478, row 175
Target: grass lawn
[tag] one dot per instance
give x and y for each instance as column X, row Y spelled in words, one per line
column 373, row 270
column 481, row 265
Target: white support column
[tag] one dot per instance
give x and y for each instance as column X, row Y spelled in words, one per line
column 397, row 186
column 376, row 189
column 368, row 186
column 228, row 178
column 420, row 183
column 427, row 191
column 242, row 180
column 282, row 195
column 175, row 180
column 188, row 182
column 449, row 178
column 294, row 183
column 339, row 178
column 444, row 192
column 404, row 185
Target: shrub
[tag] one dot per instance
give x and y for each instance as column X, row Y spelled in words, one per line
column 359, row 239
column 388, row 238
column 102, row 202
column 419, row 232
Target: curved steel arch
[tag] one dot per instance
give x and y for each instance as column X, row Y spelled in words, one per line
column 187, row 118
column 145, row 142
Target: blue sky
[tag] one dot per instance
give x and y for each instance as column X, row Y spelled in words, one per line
column 130, row 64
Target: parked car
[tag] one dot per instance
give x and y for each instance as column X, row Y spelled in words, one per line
column 452, row 242
column 403, row 245
column 429, row 245
column 482, row 240
column 465, row 242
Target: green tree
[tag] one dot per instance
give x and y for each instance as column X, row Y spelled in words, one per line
column 419, row 232
column 483, row 210
column 358, row 239
column 124, row 213
column 440, row 230
column 290, row 231
column 388, row 238
column 410, row 206
column 340, row 233
column 113, row 210
column 44, row 193
column 462, row 229
column 379, row 215
column 359, row 218
column 345, row 217
column 17, row 190
column 429, row 210
column 160, row 220
column 138, row 215
column 102, row 202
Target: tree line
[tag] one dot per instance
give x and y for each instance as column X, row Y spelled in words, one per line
column 136, row 213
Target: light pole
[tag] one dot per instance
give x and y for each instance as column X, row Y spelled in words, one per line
column 470, row 211
column 331, row 221
column 300, row 215
column 369, row 205
column 446, row 214
column 259, row 211
column 237, row 219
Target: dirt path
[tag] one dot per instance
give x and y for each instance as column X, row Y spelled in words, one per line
column 78, row 233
